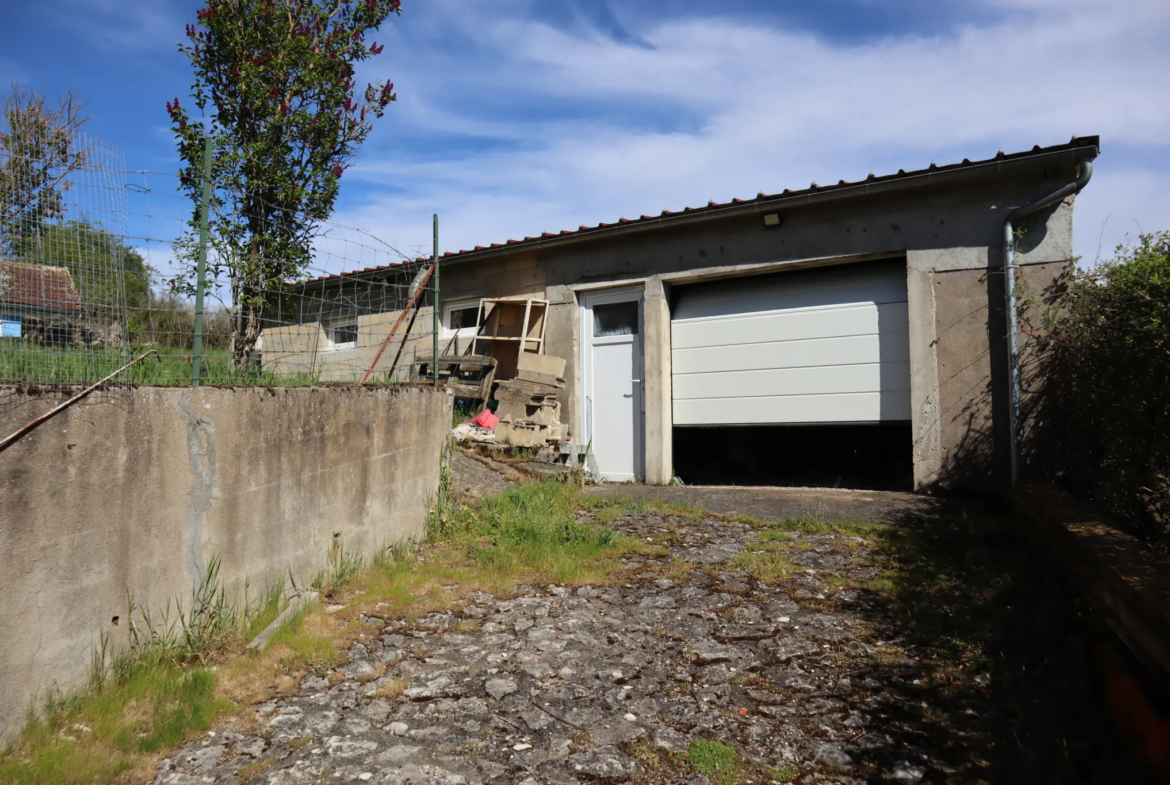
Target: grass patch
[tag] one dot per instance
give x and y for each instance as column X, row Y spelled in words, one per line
column 767, row 562
column 717, row 760
column 621, row 506
column 816, row 526
column 150, row 706
column 305, row 646
column 270, row 607
column 393, row 688
column 723, row 764
column 153, row 697
column 531, row 530
column 254, row 768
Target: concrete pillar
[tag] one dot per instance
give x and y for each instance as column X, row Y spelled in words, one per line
column 924, row 391
column 659, row 419
column 561, row 338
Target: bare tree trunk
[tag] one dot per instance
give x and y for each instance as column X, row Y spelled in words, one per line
column 251, row 302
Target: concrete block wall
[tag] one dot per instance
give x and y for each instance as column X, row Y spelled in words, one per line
column 304, row 348
column 132, row 497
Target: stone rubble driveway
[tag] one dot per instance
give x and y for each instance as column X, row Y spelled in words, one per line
column 589, row 684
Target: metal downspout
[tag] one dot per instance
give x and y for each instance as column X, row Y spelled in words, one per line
column 1009, row 270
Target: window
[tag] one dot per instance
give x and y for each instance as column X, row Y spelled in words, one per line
column 11, row 326
column 459, row 318
column 611, row 319
column 342, row 333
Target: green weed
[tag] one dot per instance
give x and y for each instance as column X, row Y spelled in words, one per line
column 719, row 761
column 151, row 705
column 529, row 528
column 343, row 565
column 765, row 562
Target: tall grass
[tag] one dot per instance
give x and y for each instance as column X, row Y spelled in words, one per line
column 168, row 320
column 153, row 705
column 528, row 528
column 25, row 361
column 149, row 698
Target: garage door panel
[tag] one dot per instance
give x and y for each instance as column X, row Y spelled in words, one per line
column 818, row 346
column 811, row 289
column 832, row 322
column 846, row 407
column 793, row 381
column 847, row 350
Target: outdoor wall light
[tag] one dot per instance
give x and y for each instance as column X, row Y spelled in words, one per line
column 772, row 219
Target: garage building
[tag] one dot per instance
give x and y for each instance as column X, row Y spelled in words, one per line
column 853, row 334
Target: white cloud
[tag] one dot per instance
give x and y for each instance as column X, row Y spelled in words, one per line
column 594, row 129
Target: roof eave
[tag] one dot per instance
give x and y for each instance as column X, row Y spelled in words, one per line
column 1075, row 151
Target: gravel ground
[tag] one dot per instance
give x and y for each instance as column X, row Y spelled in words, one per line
column 588, row 684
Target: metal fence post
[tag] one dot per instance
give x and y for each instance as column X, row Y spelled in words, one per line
column 201, row 270
column 436, row 314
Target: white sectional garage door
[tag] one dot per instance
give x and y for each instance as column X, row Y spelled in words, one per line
column 825, row 346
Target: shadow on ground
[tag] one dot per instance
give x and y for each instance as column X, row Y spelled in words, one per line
column 1000, row 676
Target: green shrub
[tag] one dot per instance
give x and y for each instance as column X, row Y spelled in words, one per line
column 1110, row 383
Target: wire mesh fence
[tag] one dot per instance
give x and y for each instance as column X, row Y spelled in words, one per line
column 98, row 267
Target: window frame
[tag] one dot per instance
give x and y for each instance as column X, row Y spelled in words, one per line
column 449, row 309
column 331, row 326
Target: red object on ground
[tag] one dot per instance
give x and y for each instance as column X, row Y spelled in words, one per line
column 486, row 420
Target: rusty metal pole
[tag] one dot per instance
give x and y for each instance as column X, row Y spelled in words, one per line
column 413, row 299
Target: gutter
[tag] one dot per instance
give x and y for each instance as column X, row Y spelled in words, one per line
column 1009, row 270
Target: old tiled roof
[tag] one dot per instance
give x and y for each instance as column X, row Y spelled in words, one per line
column 966, row 163
column 38, row 285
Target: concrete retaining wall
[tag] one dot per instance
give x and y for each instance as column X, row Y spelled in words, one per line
column 133, row 496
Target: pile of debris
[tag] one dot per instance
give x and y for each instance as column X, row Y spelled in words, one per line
column 524, row 382
column 528, row 406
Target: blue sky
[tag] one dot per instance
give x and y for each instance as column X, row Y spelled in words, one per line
column 521, row 116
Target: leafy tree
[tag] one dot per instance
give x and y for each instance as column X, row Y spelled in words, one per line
column 274, row 86
column 40, row 147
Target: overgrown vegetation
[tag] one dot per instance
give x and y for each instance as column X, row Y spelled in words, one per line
column 1110, row 385
column 149, row 698
column 186, row 664
column 80, row 365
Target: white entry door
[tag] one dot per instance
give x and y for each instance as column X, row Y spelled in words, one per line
column 613, row 392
